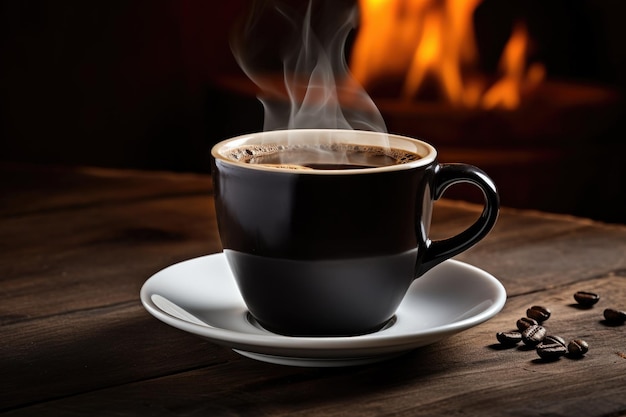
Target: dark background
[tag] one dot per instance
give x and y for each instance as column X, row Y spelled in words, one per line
column 134, row 84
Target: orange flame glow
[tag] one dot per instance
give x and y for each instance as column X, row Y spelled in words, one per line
column 432, row 41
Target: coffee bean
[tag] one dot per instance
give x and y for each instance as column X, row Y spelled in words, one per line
column 551, row 350
column 577, row 348
column 509, row 338
column 614, row 316
column 525, row 322
column 554, row 339
column 538, row 313
column 585, row 298
column 533, row 335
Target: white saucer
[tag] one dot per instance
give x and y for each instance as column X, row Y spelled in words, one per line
column 200, row 296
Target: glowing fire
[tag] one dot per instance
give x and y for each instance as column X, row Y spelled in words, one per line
column 432, row 41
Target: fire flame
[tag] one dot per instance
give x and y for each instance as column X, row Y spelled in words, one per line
column 429, row 41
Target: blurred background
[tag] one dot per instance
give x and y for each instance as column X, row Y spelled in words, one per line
column 535, row 95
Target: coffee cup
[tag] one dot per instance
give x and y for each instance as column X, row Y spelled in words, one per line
column 325, row 230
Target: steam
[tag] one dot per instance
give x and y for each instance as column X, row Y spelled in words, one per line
column 296, row 57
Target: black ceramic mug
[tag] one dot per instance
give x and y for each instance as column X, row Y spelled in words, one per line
column 324, row 247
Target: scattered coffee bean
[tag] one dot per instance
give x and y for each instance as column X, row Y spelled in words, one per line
column 533, row 335
column 585, row 298
column 551, row 350
column 552, row 347
column 509, row 338
column 538, row 313
column 577, row 348
column 614, row 316
column 525, row 322
column 554, row 339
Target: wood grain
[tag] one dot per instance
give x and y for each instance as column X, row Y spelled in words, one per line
column 32, row 188
column 469, row 373
column 99, row 257
column 75, row 339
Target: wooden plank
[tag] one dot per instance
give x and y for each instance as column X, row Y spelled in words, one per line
column 91, row 349
column 31, row 188
column 468, row 373
column 537, row 257
column 67, row 260
column 530, row 251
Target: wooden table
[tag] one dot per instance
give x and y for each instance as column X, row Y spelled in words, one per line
column 77, row 245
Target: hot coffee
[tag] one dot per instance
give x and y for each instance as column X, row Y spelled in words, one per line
column 322, row 157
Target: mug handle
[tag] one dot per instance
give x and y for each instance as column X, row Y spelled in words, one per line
column 444, row 176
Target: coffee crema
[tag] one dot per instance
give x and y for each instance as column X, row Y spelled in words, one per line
column 321, row 157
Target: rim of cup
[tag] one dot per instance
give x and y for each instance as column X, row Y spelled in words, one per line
column 303, row 137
